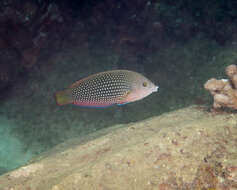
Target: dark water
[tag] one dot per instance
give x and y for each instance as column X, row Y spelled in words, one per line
column 31, row 122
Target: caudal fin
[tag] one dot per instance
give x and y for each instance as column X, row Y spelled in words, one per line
column 63, row 97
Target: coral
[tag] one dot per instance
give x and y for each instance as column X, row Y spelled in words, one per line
column 224, row 91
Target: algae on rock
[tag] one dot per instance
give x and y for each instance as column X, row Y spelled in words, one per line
column 185, row 149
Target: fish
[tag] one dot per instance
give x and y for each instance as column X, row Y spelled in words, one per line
column 107, row 88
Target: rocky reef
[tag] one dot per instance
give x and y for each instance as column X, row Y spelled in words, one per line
column 25, row 29
column 185, row 149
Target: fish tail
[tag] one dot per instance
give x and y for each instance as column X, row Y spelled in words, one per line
column 63, row 97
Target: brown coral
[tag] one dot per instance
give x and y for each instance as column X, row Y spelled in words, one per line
column 224, row 91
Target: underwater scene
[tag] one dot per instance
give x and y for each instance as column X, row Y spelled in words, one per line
column 117, row 94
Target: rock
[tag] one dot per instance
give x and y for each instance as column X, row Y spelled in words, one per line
column 185, row 149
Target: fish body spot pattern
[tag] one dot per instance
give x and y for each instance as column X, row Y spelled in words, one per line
column 107, row 88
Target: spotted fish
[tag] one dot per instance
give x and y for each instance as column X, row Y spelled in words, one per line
column 107, row 88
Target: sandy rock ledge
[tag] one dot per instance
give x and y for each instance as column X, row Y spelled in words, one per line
column 186, row 149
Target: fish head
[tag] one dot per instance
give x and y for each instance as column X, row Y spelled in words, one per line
column 141, row 88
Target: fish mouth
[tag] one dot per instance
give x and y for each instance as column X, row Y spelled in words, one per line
column 156, row 88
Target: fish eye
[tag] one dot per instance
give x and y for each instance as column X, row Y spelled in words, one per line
column 144, row 84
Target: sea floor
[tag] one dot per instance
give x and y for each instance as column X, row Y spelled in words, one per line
column 190, row 148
